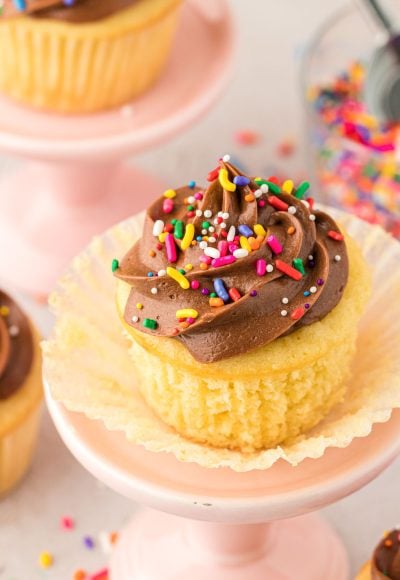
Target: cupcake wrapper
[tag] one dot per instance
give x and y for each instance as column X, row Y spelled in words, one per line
column 82, row 69
column 89, row 369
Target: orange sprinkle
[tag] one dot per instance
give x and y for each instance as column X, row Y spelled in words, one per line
column 249, row 197
column 254, row 245
column 291, row 230
column 79, row 575
column 194, row 243
column 216, row 302
column 114, row 536
column 388, row 543
column 203, row 266
column 152, row 253
column 260, row 239
column 184, row 324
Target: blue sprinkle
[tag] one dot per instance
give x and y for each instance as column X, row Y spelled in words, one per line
column 306, row 293
column 89, row 542
column 192, row 184
column 150, row 274
column 246, row 231
column 241, row 180
column 20, row 5
column 220, row 289
column 199, row 238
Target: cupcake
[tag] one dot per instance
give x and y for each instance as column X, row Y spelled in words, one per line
column 385, row 563
column 20, row 392
column 83, row 56
column 242, row 303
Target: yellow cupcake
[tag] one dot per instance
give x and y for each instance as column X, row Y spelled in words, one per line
column 84, row 67
column 20, row 392
column 243, row 370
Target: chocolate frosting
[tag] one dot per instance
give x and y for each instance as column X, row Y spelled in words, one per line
column 79, row 12
column 260, row 306
column 386, row 559
column 16, row 346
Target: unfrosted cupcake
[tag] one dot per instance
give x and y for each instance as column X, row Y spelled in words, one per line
column 20, row 392
column 385, row 562
column 82, row 56
column 242, row 304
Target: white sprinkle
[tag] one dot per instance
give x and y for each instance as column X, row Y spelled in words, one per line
column 208, row 213
column 310, row 257
column 199, row 213
column 212, row 253
column 223, row 225
column 13, row 330
column 264, row 188
column 338, row 258
column 204, row 232
column 203, row 245
column 312, row 217
column 313, row 289
column 285, row 300
column 219, row 214
column 270, row 268
column 258, row 193
column 212, row 240
column 231, row 234
column 135, row 318
column 283, row 312
column 240, row 253
column 305, row 203
column 211, row 229
column 154, row 291
column 158, row 228
column 225, row 215
column 292, row 209
column 191, row 199
column 216, row 222
column 161, row 272
column 226, row 158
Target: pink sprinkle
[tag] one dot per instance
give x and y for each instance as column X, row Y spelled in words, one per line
column 168, row 205
column 195, row 284
column 205, row 259
column 170, row 248
column 198, row 195
column 223, row 248
column 101, row 575
column 232, row 247
column 190, row 320
column 67, row 523
column 274, row 244
column 261, row 202
column 261, row 266
column 247, row 137
column 218, row 262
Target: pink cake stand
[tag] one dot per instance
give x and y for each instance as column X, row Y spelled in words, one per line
column 232, row 526
column 75, row 183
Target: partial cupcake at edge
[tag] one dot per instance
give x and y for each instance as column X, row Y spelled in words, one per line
column 242, row 302
column 385, row 561
column 83, row 56
column 21, row 392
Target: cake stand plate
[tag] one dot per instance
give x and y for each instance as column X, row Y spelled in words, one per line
column 74, row 183
column 231, row 525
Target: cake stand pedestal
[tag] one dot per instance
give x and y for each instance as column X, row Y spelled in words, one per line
column 75, row 183
column 232, row 526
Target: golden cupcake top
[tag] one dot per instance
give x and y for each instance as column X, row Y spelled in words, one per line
column 16, row 346
column 74, row 11
column 233, row 266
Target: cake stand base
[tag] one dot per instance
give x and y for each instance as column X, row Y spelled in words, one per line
column 158, row 546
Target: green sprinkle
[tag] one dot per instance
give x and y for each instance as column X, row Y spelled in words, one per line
column 114, row 265
column 300, row 191
column 173, row 222
column 182, row 271
column 298, row 264
column 271, row 186
column 178, row 231
column 205, row 225
column 213, row 295
column 150, row 323
column 190, row 207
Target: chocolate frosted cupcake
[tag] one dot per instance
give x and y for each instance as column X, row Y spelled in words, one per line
column 82, row 56
column 242, row 303
column 385, row 563
column 20, row 392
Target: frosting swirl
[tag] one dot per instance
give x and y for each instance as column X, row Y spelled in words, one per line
column 234, row 267
column 75, row 11
column 16, row 346
column 386, row 559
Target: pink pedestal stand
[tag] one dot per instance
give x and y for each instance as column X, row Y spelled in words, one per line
column 232, row 526
column 75, row 184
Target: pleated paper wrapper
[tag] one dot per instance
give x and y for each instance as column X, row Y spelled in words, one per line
column 89, row 369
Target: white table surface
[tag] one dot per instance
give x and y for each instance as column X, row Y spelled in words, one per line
column 271, row 38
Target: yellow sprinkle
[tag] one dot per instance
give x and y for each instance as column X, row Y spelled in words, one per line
column 188, row 237
column 178, row 277
column 4, row 311
column 170, row 193
column 189, row 267
column 139, row 306
column 187, row 313
column 288, row 185
column 162, row 237
column 259, row 230
column 224, row 180
column 45, row 560
column 244, row 243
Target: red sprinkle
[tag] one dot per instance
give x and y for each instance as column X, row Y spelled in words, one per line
column 288, row 270
column 310, row 200
column 234, row 294
column 297, row 313
column 159, row 246
column 169, row 228
column 335, row 236
column 190, row 214
column 277, row 203
column 273, row 179
column 213, row 175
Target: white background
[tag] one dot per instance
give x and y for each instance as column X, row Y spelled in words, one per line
column 264, row 96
